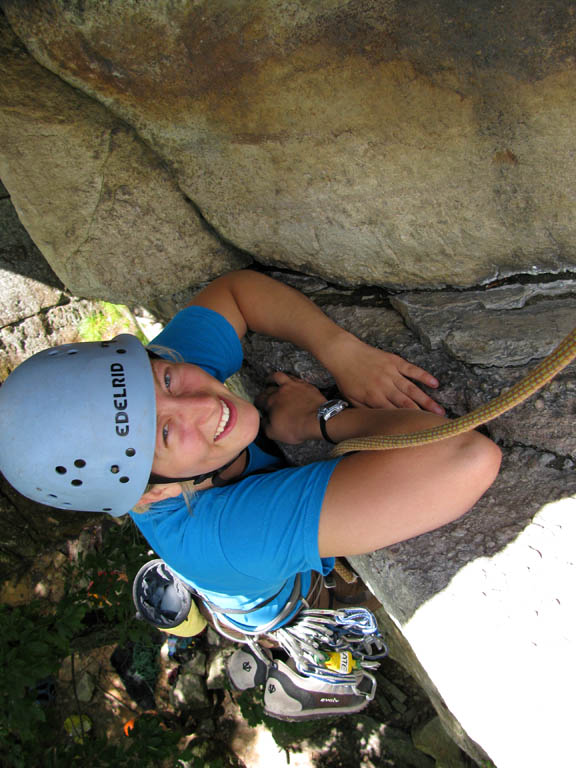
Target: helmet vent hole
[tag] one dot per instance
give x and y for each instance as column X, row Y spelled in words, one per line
column 72, row 352
column 114, row 469
column 124, row 479
column 76, row 482
column 61, row 470
column 120, row 351
column 130, row 452
column 106, row 509
column 80, row 463
column 104, row 344
column 53, row 352
column 52, row 495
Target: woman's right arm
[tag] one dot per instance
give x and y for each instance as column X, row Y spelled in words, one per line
column 378, row 498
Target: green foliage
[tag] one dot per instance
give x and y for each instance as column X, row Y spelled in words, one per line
column 145, row 662
column 35, row 639
column 148, row 745
column 110, row 320
column 108, row 573
column 32, row 646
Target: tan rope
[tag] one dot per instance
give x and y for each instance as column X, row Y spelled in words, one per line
column 564, row 353
column 345, row 573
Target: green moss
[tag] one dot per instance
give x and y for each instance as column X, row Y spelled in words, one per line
column 108, row 321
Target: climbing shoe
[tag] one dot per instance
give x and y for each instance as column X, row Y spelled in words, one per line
column 291, row 696
column 246, row 669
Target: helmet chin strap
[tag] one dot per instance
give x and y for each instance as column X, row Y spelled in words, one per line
column 214, row 475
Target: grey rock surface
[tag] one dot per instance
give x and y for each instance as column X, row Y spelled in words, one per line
column 432, row 739
column 216, row 675
column 85, row 687
column 56, row 325
column 28, row 283
column 197, row 664
column 189, row 693
column 520, row 323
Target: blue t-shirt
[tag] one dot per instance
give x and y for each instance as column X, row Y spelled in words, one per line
column 243, row 543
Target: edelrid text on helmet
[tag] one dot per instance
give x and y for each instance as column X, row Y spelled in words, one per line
column 120, row 399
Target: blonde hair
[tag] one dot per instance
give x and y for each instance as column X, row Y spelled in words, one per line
column 188, row 491
column 166, row 353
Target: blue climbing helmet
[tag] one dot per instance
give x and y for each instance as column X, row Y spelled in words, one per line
column 78, row 425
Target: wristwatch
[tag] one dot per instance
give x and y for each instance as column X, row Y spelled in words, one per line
column 328, row 410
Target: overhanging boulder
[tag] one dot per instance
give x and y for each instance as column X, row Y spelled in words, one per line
column 405, row 144
column 99, row 204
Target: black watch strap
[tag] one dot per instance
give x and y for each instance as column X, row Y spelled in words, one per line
column 328, row 410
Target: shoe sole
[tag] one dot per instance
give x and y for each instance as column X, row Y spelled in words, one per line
column 315, row 714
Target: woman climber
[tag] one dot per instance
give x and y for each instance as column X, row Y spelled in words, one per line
column 114, row 427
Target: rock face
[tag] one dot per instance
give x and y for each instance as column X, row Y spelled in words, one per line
column 150, row 146
column 97, row 202
column 369, row 141
column 482, row 612
column 28, row 283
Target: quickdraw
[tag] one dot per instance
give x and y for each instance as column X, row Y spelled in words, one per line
column 340, row 647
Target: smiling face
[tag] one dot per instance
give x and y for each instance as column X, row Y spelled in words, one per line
column 200, row 425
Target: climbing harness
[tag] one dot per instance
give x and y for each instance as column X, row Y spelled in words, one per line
column 338, row 647
column 320, row 643
column 341, row 647
column 291, row 604
column 564, row 353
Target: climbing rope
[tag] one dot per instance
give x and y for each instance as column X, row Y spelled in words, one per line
column 564, row 353
column 346, row 574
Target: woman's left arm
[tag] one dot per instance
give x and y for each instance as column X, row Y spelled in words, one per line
column 365, row 375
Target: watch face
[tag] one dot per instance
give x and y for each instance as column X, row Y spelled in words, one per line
column 331, row 408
